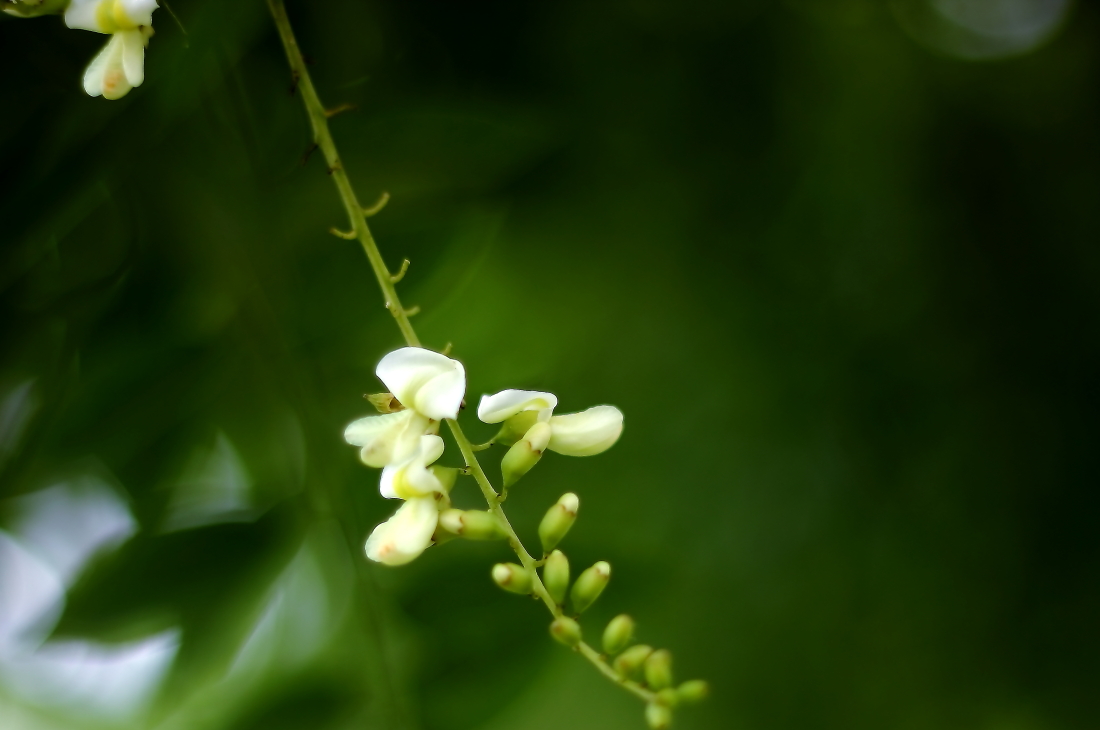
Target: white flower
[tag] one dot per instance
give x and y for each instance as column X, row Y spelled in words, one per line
column 416, row 478
column 430, row 386
column 424, row 381
column 120, row 66
column 392, row 438
column 573, row 434
column 531, row 428
column 402, row 538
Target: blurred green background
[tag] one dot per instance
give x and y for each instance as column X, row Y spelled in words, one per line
column 836, row 261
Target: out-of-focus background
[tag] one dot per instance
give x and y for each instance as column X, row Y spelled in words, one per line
column 836, row 260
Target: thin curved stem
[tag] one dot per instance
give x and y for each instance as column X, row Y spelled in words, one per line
column 319, row 121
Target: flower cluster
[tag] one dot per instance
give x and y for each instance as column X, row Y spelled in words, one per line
column 425, row 388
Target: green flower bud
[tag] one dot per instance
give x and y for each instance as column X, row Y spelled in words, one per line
column 513, row 428
column 512, row 578
column 471, row 524
column 668, row 697
column 557, row 521
column 555, row 575
column 692, row 691
column 619, row 632
column 525, row 453
column 590, row 585
column 658, row 716
column 385, row 402
column 630, row 661
column 658, row 669
column 566, row 630
column 32, row 8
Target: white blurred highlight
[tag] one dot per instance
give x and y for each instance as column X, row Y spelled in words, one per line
column 54, row 535
column 215, row 488
column 982, row 29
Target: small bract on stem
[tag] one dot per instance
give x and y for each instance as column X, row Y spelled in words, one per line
column 425, row 389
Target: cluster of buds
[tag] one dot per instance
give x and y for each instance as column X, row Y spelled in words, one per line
column 652, row 668
column 120, row 66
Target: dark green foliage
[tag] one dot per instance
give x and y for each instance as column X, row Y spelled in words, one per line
column 843, row 289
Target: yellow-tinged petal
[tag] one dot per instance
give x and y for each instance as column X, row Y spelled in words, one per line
column 500, row 406
column 387, row 440
column 586, row 433
column 402, row 538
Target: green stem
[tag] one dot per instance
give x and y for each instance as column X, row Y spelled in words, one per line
column 323, row 138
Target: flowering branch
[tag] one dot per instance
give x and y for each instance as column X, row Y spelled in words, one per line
column 412, row 415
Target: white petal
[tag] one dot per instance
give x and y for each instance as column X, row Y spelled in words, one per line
column 133, row 55
column 387, row 440
column 426, row 381
column 404, row 536
column 507, row 403
column 105, row 74
column 414, row 479
column 139, row 12
column 586, row 433
column 84, row 15
column 93, row 75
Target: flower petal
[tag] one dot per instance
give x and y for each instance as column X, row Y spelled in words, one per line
column 133, row 55
column 586, row 433
column 425, row 381
column 84, row 15
column 413, row 478
column 138, row 12
column 387, row 440
column 507, row 403
column 402, row 538
column 93, row 75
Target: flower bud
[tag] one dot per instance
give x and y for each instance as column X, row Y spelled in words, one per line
column 668, row 697
column 630, row 661
column 471, row 524
column 619, row 632
column 512, row 578
column 385, row 402
column 590, row 585
column 692, row 691
column 557, row 521
column 555, row 576
column 658, row 669
column 658, row 716
column 513, row 428
column 525, row 453
column 566, row 631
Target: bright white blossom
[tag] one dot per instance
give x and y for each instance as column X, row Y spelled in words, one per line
column 120, row 66
column 573, row 434
column 402, row 538
column 429, row 387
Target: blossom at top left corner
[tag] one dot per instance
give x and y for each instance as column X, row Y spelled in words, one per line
column 120, row 66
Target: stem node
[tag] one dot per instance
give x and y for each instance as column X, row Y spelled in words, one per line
column 400, row 272
column 378, row 205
